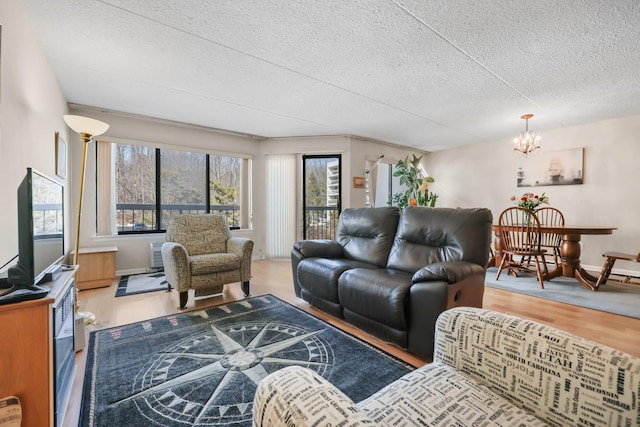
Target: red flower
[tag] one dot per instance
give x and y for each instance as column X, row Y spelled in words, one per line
column 413, row 202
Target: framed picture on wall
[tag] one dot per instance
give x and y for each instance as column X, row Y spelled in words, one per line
column 358, row 182
column 559, row 167
column 61, row 156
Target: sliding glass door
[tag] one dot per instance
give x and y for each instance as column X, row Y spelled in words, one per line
column 322, row 193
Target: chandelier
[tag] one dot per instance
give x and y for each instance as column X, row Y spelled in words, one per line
column 527, row 141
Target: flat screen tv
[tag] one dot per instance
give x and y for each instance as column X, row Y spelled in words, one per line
column 40, row 230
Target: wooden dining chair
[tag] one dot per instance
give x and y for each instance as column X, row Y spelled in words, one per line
column 551, row 241
column 519, row 231
column 611, row 258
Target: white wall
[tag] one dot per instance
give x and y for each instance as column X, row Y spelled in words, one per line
column 31, row 110
column 484, row 175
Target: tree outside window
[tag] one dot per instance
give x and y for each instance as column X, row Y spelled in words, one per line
column 153, row 185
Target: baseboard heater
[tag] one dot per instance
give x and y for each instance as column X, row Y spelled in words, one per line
column 156, row 255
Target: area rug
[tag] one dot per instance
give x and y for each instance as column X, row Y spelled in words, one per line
column 201, row 368
column 141, row 283
column 617, row 298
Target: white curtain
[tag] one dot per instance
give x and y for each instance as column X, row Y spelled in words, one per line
column 280, row 178
column 105, row 172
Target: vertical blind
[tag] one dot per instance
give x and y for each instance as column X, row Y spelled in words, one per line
column 281, row 205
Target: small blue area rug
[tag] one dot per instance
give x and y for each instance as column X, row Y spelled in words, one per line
column 141, row 283
column 201, row 368
column 616, row 298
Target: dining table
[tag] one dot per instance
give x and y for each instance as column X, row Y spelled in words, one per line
column 569, row 251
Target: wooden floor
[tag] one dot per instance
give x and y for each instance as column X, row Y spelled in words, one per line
column 274, row 277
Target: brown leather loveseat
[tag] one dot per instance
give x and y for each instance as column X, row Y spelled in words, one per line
column 391, row 272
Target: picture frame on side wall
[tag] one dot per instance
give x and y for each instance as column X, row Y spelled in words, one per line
column 61, row 156
column 358, row 182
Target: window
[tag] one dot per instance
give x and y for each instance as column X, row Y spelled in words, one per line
column 183, row 184
column 153, row 184
column 321, row 178
column 225, row 179
column 388, row 185
column 135, row 187
column 382, row 186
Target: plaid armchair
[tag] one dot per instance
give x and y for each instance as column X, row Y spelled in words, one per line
column 199, row 253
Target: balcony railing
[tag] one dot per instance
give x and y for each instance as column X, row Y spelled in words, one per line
column 320, row 222
column 47, row 220
column 136, row 217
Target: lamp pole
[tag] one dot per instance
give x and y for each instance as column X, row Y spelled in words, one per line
column 86, row 315
column 87, row 128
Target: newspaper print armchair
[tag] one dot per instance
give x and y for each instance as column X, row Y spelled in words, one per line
column 489, row 369
column 199, row 253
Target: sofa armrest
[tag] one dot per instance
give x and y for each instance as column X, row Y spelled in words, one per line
column 177, row 268
column 296, row 396
column 311, row 249
column 319, row 249
column 242, row 247
column 574, row 370
column 451, row 272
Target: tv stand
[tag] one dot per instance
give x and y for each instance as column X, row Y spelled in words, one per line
column 17, row 293
column 38, row 354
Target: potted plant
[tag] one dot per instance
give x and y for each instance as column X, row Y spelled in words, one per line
column 414, row 177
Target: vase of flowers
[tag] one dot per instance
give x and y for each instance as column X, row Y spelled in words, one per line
column 530, row 202
column 413, row 176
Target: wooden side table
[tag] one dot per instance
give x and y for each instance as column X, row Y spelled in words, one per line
column 97, row 267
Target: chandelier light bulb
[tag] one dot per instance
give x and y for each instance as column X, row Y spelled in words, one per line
column 527, row 142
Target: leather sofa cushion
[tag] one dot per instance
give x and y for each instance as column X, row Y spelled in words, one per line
column 428, row 236
column 381, row 295
column 319, row 276
column 366, row 234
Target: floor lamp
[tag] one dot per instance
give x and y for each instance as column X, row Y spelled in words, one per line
column 87, row 128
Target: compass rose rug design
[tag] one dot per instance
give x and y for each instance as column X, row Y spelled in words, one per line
column 201, row 368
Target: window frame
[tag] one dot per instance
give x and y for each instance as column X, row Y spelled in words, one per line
column 244, row 200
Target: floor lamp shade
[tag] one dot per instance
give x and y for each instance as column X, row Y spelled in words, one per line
column 85, row 125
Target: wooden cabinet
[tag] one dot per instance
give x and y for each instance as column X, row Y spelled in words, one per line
column 97, row 267
column 28, row 352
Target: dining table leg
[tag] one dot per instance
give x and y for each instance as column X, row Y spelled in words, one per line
column 570, row 263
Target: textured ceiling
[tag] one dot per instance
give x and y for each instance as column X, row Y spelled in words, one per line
column 425, row 74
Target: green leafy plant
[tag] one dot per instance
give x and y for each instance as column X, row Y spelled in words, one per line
column 412, row 176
